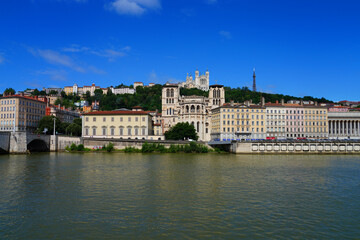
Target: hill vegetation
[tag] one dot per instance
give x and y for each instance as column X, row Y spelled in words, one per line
column 149, row 98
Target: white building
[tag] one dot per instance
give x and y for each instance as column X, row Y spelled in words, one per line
column 117, row 91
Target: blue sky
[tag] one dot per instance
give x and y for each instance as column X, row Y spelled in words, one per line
column 298, row 47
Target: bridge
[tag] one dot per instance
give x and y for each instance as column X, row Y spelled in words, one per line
column 23, row 142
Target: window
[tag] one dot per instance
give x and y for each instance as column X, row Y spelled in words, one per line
column 121, row 119
column 129, row 131
column 144, row 132
column 112, row 119
column 129, row 119
column 137, row 119
column 136, row 131
column 94, row 131
column 104, row 131
column 104, row 119
column 121, row 131
column 94, row 119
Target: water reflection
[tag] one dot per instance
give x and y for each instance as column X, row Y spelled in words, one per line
column 119, row 195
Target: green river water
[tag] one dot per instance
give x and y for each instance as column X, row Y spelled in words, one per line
column 179, row 196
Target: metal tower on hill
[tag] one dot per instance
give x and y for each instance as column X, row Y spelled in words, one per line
column 254, row 81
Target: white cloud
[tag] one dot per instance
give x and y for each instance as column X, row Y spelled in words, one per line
column 56, row 58
column 110, row 53
column 225, row 34
column 134, row 7
column 55, row 75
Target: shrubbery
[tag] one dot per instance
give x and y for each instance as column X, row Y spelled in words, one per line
column 187, row 148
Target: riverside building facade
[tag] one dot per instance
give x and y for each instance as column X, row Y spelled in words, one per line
column 238, row 122
column 119, row 124
column 288, row 120
column 344, row 124
column 20, row 113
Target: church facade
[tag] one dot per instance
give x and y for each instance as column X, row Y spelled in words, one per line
column 195, row 110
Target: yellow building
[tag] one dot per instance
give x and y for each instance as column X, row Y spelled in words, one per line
column 20, row 113
column 315, row 122
column 237, row 122
column 119, row 124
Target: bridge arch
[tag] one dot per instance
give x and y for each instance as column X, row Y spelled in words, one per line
column 38, row 145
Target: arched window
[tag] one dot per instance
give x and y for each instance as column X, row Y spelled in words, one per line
column 192, row 109
column 214, row 93
column 218, row 93
column 187, row 109
column 198, row 109
column 198, row 126
column 167, row 92
column 172, row 92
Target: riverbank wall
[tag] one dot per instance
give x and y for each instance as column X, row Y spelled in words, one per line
column 295, row 147
column 121, row 144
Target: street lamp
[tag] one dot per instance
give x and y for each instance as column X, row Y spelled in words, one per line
column 54, row 124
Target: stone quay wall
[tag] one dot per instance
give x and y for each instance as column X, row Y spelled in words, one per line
column 296, row 147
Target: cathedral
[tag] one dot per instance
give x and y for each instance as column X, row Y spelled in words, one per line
column 195, row 110
column 200, row 81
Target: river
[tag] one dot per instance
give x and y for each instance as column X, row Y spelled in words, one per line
column 179, row 196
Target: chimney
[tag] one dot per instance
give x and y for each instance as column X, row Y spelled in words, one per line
column 282, row 101
column 316, row 103
column 250, row 101
column 247, row 103
column 232, row 103
column 277, row 101
column 301, row 102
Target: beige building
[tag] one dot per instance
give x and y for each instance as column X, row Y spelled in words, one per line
column 20, row 113
column 238, row 122
column 195, row 110
column 75, row 89
column 119, row 124
column 138, row 84
column 296, row 120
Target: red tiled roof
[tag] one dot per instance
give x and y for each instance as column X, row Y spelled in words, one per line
column 117, row 113
column 157, row 124
column 25, row 97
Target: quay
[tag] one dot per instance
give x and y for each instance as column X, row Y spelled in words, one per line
column 290, row 147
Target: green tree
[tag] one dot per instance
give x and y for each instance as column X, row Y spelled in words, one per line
column 73, row 129
column 36, row 92
column 181, row 131
column 53, row 92
column 48, row 122
column 9, row 91
column 78, row 121
column 98, row 94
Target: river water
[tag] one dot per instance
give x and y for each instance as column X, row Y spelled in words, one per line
column 179, row 196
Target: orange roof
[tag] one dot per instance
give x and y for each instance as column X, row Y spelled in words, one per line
column 117, row 113
column 25, row 97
